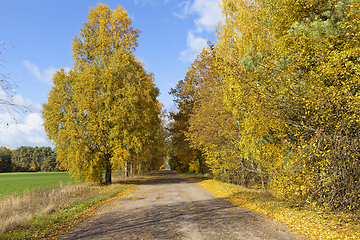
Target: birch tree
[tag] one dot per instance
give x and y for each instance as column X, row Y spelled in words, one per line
column 102, row 111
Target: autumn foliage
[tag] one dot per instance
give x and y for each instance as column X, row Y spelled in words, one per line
column 103, row 114
column 276, row 101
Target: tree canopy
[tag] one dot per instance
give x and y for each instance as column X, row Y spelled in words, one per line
column 104, row 111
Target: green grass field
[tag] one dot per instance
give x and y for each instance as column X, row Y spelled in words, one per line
column 18, row 183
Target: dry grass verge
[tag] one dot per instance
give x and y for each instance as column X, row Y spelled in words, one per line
column 16, row 210
column 50, row 213
column 314, row 224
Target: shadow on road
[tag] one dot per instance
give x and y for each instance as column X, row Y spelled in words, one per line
column 177, row 212
column 164, row 221
column 165, row 177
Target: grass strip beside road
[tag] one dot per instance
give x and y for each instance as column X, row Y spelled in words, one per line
column 311, row 223
column 15, row 184
column 53, row 225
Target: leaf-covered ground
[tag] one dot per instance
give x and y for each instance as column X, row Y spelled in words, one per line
column 314, row 224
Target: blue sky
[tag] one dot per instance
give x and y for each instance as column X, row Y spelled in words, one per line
column 41, row 31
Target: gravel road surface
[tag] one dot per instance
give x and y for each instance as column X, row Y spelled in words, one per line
column 170, row 207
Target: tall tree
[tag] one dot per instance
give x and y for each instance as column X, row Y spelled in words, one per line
column 187, row 96
column 214, row 129
column 99, row 113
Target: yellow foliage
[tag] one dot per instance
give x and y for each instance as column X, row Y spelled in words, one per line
column 276, row 101
column 194, row 167
column 34, row 167
column 119, row 156
column 290, row 78
column 105, row 31
column 104, row 110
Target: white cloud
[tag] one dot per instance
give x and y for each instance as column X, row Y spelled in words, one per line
column 209, row 15
column 46, row 75
column 195, row 45
column 15, row 103
column 19, row 128
column 186, row 6
column 208, row 11
column 28, row 131
column 33, row 107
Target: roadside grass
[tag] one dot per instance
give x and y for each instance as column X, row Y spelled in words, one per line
column 49, row 213
column 311, row 223
column 15, row 184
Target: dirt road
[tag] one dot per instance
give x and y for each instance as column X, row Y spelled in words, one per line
column 170, row 207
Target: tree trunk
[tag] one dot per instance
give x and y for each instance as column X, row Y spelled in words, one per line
column 108, row 173
column 126, row 168
column 131, row 172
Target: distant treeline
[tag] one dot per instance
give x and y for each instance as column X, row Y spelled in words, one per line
column 28, row 159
